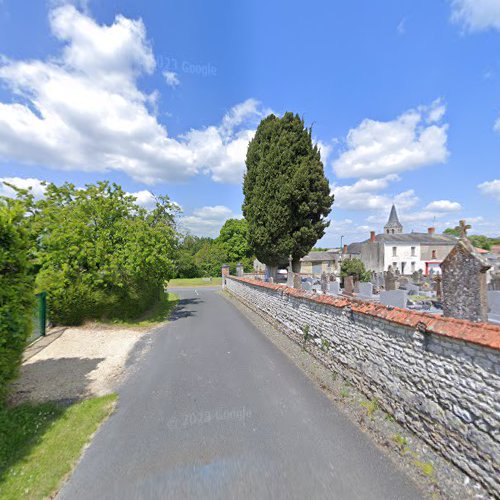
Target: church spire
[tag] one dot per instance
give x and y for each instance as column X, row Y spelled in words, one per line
column 393, row 225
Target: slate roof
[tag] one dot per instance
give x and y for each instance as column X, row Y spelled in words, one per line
column 393, row 221
column 408, row 239
column 319, row 256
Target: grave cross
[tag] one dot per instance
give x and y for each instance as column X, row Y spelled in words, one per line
column 463, row 227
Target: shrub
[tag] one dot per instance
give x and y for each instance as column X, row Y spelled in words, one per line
column 16, row 291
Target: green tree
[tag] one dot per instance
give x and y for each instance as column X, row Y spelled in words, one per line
column 98, row 254
column 287, row 196
column 354, row 267
column 478, row 240
column 16, row 290
column 210, row 259
column 233, row 240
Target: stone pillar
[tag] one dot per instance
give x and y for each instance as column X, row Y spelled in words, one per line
column 239, row 269
column 225, row 272
column 437, row 286
column 464, row 287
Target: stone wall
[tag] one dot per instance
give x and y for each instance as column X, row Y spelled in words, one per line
column 440, row 377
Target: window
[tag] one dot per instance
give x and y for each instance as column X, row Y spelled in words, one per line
column 395, row 265
column 434, row 254
column 413, row 254
column 413, row 267
column 394, row 251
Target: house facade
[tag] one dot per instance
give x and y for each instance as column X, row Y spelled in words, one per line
column 317, row 262
column 405, row 252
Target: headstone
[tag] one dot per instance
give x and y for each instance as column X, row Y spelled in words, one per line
column 464, row 281
column 390, row 279
column 334, row 288
column 348, row 285
column 289, row 274
column 239, row 269
column 395, row 298
column 324, row 282
column 411, row 288
column 403, row 282
column 356, row 286
column 494, row 306
column 307, row 286
column 365, row 290
column 437, row 286
column 415, row 277
column 297, row 281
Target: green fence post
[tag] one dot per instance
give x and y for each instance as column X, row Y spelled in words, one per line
column 42, row 312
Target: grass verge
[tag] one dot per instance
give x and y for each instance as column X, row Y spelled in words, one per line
column 41, row 443
column 198, row 282
column 159, row 312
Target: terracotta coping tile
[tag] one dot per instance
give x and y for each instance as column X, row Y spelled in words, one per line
column 485, row 334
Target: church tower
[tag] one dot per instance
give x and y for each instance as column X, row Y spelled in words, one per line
column 393, row 225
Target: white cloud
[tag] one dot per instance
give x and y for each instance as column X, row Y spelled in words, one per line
column 84, row 110
column 324, row 150
column 444, row 206
column 36, row 186
column 207, row 221
column 413, row 140
column 496, row 127
column 171, row 78
column 491, row 188
column 145, row 199
column 476, row 15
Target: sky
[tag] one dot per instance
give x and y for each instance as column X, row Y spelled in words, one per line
column 403, row 97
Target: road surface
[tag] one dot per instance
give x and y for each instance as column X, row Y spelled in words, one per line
column 215, row 410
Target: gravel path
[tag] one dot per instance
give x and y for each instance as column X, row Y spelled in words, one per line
column 76, row 363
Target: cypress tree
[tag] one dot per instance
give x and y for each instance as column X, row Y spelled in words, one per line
column 287, row 196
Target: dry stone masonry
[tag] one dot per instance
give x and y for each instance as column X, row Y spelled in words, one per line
column 438, row 376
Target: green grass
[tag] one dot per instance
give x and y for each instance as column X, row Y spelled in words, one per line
column 158, row 313
column 371, row 407
column 197, row 282
column 41, row 443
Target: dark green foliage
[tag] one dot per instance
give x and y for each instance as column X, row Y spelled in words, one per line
column 354, row 267
column 287, row 196
column 478, row 240
column 16, row 291
column 210, row 259
column 99, row 255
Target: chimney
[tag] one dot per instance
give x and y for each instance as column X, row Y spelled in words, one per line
column 431, row 230
column 345, row 249
column 372, row 236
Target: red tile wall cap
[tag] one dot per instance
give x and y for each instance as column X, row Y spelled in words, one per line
column 484, row 334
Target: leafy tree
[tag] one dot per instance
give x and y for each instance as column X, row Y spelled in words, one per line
column 354, row 267
column 478, row 240
column 98, row 253
column 16, row 290
column 233, row 240
column 287, row 196
column 210, row 258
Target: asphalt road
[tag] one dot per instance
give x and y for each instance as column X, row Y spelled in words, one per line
column 215, row 410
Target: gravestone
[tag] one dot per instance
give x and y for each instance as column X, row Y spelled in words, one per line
column 324, row 282
column 464, row 281
column 239, row 269
column 297, row 281
column 410, row 287
column 390, row 279
column 415, row 277
column 307, row 286
column 495, row 280
column 437, row 286
column 334, row 288
column 403, row 282
column 289, row 274
column 356, row 286
column 395, row 298
column 365, row 290
column 348, row 285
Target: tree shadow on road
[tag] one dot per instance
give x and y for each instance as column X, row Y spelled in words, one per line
column 182, row 310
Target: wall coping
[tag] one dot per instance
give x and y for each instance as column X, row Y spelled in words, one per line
column 484, row 334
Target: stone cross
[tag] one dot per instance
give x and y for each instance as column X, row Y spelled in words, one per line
column 348, row 285
column 464, row 283
column 462, row 228
column 390, row 279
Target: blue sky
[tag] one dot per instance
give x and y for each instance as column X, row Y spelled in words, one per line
column 163, row 97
